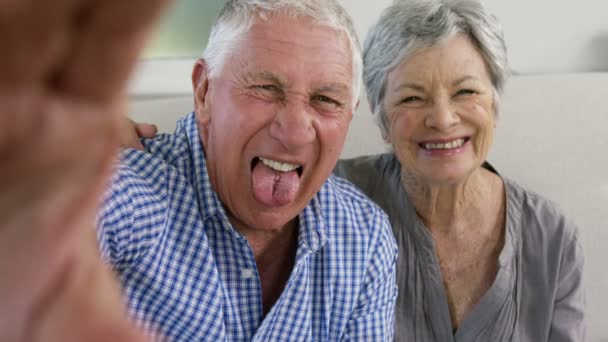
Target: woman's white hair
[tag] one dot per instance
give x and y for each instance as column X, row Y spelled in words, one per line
column 237, row 16
column 411, row 25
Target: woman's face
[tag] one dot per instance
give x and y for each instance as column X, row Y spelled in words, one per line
column 439, row 107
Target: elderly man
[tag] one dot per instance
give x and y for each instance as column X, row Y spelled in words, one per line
column 230, row 228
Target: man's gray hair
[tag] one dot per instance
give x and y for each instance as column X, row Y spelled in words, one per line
column 408, row 26
column 237, row 16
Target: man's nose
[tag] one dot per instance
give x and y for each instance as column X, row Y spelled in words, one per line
column 293, row 125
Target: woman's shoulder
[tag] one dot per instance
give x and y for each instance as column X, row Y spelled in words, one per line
column 364, row 170
column 535, row 208
column 546, row 231
column 552, row 260
column 379, row 177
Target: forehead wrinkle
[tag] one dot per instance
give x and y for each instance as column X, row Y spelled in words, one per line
column 409, row 85
column 463, row 79
column 266, row 75
column 334, row 88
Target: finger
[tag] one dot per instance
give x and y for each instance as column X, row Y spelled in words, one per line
column 129, row 136
column 145, row 130
column 110, row 36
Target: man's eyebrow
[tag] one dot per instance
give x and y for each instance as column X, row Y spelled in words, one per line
column 265, row 76
column 334, row 88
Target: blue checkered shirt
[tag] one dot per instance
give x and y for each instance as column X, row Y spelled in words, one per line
column 190, row 276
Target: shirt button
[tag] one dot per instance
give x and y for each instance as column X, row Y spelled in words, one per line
column 314, row 240
column 247, row 273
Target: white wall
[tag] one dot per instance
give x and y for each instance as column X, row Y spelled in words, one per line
column 542, row 35
column 554, row 35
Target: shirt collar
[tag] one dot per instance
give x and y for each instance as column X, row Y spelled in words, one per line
column 208, row 201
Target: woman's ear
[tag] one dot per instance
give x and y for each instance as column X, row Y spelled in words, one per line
column 200, row 86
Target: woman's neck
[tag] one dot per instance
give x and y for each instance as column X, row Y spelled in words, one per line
column 446, row 208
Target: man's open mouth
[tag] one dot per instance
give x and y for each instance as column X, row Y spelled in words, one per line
column 277, row 165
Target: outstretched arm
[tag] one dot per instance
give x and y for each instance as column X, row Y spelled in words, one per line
column 63, row 73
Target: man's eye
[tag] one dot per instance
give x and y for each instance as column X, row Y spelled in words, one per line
column 411, row 99
column 266, row 87
column 266, row 92
column 323, row 98
column 325, row 104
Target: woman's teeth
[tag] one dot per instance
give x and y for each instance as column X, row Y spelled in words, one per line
column 445, row 146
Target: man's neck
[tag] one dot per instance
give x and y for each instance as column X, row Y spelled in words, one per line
column 275, row 253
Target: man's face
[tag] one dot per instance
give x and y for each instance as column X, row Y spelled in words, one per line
column 273, row 120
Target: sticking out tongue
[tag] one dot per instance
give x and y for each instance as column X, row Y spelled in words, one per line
column 274, row 188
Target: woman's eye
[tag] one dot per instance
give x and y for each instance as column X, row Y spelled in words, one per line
column 466, row 92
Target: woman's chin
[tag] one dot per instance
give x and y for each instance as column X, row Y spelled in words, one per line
column 448, row 175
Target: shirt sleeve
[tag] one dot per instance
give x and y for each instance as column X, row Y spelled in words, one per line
column 133, row 212
column 373, row 318
column 568, row 323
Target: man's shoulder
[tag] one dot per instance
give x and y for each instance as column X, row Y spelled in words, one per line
column 347, row 194
column 342, row 201
column 169, row 148
column 161, row 155
column 146, row 187
column 172, row 149
column 144, row 180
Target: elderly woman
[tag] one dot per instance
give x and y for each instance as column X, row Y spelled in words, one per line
column 481, row 258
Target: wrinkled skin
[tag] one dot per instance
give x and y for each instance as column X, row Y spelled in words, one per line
column 63, row 73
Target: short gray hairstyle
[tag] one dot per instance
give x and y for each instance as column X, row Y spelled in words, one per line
column 237, row 17
column 411, row 25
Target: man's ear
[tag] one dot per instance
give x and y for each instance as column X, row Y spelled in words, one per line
column 200, row 86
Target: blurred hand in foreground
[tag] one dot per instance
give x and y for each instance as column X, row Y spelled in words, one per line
column 63, row 75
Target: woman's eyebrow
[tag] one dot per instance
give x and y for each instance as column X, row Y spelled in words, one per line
column 409, row 85
column 463, row 79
